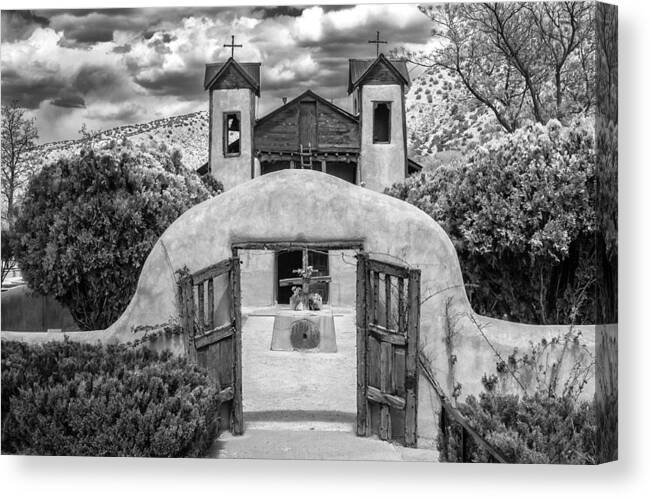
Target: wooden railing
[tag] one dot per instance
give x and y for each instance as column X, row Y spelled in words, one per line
column 451, row 415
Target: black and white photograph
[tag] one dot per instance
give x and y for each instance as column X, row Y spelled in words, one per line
column 360, row 232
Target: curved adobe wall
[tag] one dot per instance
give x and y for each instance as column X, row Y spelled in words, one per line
column 300, row 205
column 304, row 205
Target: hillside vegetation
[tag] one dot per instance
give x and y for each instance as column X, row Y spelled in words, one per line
column 188, row 133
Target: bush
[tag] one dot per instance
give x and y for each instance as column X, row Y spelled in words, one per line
column 547, row 424
column 520, row 212
column 75, row 399
column 88, row 222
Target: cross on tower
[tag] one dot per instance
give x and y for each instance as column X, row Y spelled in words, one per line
column 232, row 45
column 377, row 42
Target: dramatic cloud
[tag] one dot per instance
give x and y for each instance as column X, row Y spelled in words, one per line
column 69, row 100
column 20, row 24
column 108, row 67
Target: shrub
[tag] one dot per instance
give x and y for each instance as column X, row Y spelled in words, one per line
column 88, row 222
column 75, row 399
column 520, row 212
column 547, row 424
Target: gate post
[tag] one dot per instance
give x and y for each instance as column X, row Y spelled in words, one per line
column 363, row 425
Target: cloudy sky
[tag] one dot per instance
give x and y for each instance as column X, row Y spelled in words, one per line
column 107, row 67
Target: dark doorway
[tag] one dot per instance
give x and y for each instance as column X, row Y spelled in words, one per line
column 381, row 122
column 270, row 167
column 343, row 170
column 290, row 260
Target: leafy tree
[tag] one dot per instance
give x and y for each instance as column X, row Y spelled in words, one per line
column 520, row 212
column 521, row 60
column 88, row 223
column 18, row 137
column 8, row 260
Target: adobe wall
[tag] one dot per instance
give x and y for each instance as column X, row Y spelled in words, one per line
column 303, row 205
column 231, row 170
column 382, row 165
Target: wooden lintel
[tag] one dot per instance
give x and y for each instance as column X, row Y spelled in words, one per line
column 279, row 244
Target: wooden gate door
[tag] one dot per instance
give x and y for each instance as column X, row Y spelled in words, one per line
column 212, row 326
column 388, row 322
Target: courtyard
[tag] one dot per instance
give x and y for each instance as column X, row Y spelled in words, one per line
column 302, row 405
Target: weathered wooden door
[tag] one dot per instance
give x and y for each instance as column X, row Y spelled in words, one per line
column 388, row 322
column 307, row 133
column 211, row 319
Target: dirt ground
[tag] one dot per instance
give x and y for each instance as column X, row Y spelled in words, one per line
column 289, row 382
column 303, row 405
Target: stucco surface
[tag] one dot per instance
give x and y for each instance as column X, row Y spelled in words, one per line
column 231, row 170
column 382, row 165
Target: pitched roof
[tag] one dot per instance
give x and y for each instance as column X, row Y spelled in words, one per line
column 308, row 93
column 358, row 68
column 250, row 71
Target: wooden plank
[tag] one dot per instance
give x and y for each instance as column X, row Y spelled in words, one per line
column 184, row 320
column 376, row 296
column 280, row 244
column 388, row 336
column 401, row 306
column 189, row 313
column 388, row 268
column 237, row 424
column 411, row 363
column 213, row 336
column 387, row 301
column 399, row 358
column 386, row 386
column 369, row 365
column 211, row 304
column 212, row 271
column 201, row 316
column 377, row 396
column 362, row 404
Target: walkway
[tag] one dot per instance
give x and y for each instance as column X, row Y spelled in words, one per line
column 303, row 405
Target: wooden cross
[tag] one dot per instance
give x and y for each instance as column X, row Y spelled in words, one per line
column 377, row 43
column 232, row 45
column 305, row 278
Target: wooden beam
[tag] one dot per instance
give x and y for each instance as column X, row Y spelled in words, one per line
column 215, row 335
column 377, row 396
column 211, row 271
column 389, row 268
column 386, row 387
column 391, row 337
column 237, row 422
column 279, row 244
column 411, row 364
column 362, row 403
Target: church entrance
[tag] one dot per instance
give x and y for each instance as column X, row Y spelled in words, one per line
column 288, row 262
column 382, row 347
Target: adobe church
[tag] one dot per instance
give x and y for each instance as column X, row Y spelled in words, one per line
column 367, row 147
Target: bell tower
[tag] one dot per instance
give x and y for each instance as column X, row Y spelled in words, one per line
column 233, row 87
column 378, row 87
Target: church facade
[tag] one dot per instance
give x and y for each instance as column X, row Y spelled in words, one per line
column 367, row 147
